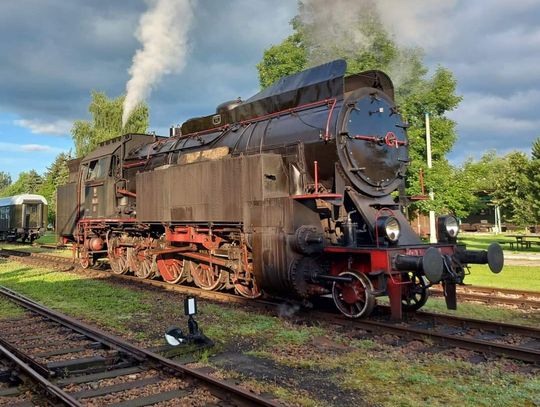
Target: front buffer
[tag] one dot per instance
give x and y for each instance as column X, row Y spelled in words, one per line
column 360, row 275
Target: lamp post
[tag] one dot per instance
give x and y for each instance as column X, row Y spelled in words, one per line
column 432, row 233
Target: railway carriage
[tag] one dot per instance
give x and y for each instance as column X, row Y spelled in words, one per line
column 289, row 193
column 22, row 217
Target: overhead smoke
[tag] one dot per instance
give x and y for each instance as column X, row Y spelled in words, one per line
column 162, row 33
column 340, row 30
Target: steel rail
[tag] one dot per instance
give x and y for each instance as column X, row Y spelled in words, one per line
column 525, row 354
column 493, row 296
column 53, row 390
column 498, row 327
column 480, row 345
column 143, row 354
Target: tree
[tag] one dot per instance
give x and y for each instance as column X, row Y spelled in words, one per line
column 5, row 180
column 106, row 122
column 416, row 94
column 285, row 59
column 28, row 183
column 536, row 149
column 534, row 179
column 56, row 175
column 513, row 190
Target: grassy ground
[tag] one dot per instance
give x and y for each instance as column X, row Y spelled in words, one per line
column 316, row 365
column 486, row 312
column 37, row 249
column 75, row 295
column 48, row 238
column 516, row 277
column 477, row 241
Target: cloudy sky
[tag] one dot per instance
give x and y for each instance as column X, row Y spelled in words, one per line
column 54, row 52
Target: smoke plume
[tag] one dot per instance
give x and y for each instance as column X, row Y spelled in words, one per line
column 162, row 33
column 339, row 29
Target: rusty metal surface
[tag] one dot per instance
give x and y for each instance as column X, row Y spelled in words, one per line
column 66, row 209
column 211, row 190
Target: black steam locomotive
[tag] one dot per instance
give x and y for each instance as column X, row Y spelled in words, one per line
column 286, row 193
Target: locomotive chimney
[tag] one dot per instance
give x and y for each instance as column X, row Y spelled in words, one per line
column 175, row 131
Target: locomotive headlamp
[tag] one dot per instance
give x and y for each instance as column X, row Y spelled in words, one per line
column 388, row 226
column 448, row 228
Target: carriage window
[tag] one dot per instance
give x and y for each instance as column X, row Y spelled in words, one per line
column 97, row 169
column 4, row 212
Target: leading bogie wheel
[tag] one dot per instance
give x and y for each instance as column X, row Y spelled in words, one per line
column 85, row 258
column 354, row 299
column 415, row 293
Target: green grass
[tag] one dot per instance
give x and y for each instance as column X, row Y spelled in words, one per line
column 229, row 325
column 392, row 376
column 48, row 238
column 516, row 277
column 434, row 381
column 476, row 241
column 74, row 294
column 37, row 249
column 382, row 374
column 9, row 310
column 485, row 312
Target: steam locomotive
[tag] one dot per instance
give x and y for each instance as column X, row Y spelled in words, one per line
column 288, row 193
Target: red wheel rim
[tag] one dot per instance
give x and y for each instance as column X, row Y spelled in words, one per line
column 171, row 269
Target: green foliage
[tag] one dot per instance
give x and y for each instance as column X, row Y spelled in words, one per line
column 106, row 122
column 416, row 93
column 5, row 180
column 56, row 175
column 512, row 181
column 536, row 149
column 534, row 180
column 28, row 183
column 513, row 190
column 284, row 59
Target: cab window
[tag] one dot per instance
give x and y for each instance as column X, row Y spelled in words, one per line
column 97, row 169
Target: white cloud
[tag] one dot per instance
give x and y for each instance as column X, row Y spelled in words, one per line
column 35, row 147
column 28, row 148
column 57, row 128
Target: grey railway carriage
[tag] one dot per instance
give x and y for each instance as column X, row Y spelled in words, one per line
column 287, row 193
column 23, row 217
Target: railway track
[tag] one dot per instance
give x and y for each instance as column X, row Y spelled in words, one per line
column 488, row 337
column 496, row 296
column 513, row 341
column 62, row 361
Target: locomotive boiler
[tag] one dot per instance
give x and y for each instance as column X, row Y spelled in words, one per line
column 288, row 193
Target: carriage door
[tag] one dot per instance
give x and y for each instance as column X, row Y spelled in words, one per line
column 31, row 215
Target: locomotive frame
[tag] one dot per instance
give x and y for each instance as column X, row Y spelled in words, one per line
column 287, row 193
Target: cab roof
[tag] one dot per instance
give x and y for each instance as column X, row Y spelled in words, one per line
column 22, row 198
